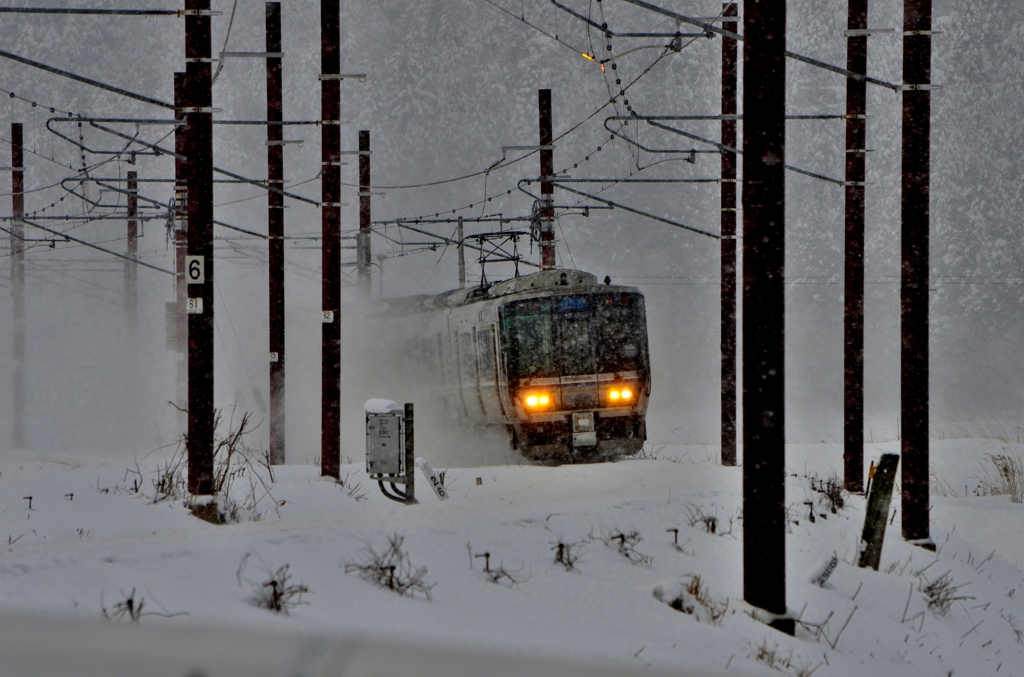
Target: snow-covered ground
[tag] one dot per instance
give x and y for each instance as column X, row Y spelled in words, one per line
column 80, row 537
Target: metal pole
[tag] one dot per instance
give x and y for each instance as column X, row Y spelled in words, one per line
column 131, row 269
column 853, row 323
column 199, row 163
column 917, row 52
column 410, row 455
column 728, row 243
column 461, row 233
column 181, row 250
column 363, row 243
column 18, row 282
column 764, row 134
column 330, row 112
column 547, row 188
column 275, row 231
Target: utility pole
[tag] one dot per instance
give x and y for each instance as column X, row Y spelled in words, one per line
column 917, row 57
column 330, row 211
column 363, row 243
column 181, row 250
column 853, row 322
column 547, row 187
column 199, row 268
column 461, row 234
column 131, row 269
column 728, row 242
column 18, row 281
column 275, row 243
column 764, row 212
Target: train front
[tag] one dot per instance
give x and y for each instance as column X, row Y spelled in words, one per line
column 577, row 373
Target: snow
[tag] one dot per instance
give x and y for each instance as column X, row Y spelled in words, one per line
column 380, row 406
column 91, row 534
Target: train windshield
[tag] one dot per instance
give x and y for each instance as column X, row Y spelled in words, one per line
column 574, row 335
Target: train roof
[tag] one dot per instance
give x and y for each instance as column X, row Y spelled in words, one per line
column 557, row 280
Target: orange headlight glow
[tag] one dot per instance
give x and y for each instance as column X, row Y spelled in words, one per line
column 619, row 395
column 535, row 400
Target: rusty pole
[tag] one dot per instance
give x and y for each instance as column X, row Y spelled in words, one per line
column 547, row 188
column 275, row 244
column 917, row 54
column 131, row 269
column 363, row 243
column 18, row 282
column 764, row 136
column 330, row 114
column 853, row 322
column 199, row 154
column 181, row 250
column 728, row 242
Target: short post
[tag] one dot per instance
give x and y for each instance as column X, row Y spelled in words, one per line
column 875, row 517
column 410, row 456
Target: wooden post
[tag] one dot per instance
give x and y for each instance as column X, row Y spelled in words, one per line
column 181, row 250
column 275, row 232
column 917, row 52
column 764, row 190
column 199, row 163
column 330, row 211
column 877, row 514
column 728, row 242
column 410, row 455
column 18, row 282
column 547, row 188
column 853, row 288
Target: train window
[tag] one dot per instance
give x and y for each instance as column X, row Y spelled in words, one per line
column 526, row 335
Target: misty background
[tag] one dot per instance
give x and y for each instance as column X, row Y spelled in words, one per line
column 448, row 84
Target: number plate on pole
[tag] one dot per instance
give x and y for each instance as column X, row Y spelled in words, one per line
column 435, row 481
column 328, row 317
column 195, row 306
column 195, row 269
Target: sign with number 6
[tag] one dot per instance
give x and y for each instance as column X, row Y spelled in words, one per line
column 195, row 269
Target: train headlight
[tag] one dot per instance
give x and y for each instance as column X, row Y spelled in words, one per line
column 620, row 396
column 537, row 400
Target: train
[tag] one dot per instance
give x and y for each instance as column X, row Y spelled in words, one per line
column 556, row 357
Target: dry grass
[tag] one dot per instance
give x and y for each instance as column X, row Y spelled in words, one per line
column 1004, row 476
column 391, row 569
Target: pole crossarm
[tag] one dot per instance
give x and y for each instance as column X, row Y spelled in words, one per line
column 164, row 151
column 710, row 28
column 85, row 80
column 730, row 149
column 612, row 34
column 96, row 247
column 618, row 205
column 87, row 11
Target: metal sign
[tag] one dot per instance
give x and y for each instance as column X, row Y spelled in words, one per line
column 328, row 317
column 195, row 269
column 195, row 305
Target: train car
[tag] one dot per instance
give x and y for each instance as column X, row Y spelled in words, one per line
column 558, row 359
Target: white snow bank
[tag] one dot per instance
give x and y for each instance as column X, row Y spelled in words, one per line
column 380, row 406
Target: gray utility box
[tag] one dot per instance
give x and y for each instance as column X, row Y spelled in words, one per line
column 385, row 444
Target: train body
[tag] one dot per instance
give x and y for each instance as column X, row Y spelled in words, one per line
column 558, row 359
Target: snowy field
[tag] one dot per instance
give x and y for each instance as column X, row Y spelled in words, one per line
column 82, row 537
